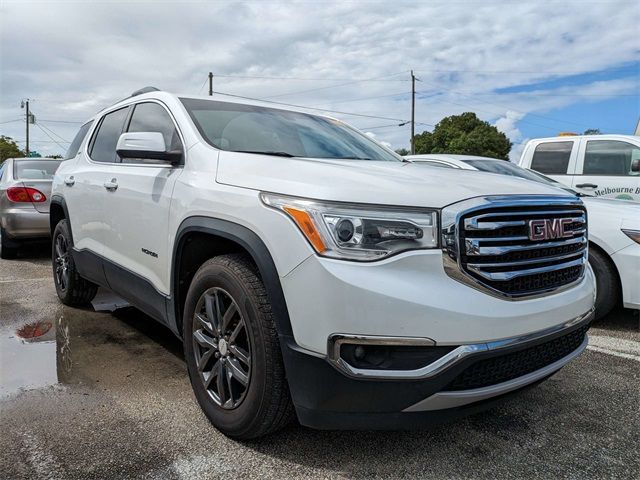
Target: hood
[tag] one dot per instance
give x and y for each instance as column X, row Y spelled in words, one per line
column 361, row 181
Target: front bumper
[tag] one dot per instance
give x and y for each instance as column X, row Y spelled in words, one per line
column 326, row 397
column 20, row 223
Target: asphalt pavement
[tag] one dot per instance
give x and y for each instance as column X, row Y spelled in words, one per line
column 85, row 394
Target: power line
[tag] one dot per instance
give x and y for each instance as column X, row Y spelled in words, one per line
column 60, row 121
column 52, row 139
column 311, row 108
column 11, row 121
column 54, row 133
column 370, row 98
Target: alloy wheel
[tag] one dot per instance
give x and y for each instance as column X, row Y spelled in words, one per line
column 221, row 348
column 62, row 261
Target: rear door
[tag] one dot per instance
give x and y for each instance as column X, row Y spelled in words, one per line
column 84, row 186
column 556, row 159
column 604, row 169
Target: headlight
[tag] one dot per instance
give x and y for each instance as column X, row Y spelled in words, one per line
column 358, row 232
column 632, row 234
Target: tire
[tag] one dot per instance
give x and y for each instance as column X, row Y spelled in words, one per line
column 7, row 250
column 607, row 282
column 262, row 405
column 72, row 289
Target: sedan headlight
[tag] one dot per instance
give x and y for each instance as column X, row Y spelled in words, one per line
column 358, row 232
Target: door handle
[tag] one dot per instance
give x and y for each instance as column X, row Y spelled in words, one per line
column 112, row 186
column 69, row 181
column 586, row 185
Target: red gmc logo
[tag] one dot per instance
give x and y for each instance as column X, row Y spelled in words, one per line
column 545, row 229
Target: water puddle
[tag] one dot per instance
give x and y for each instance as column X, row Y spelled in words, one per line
column 33, row 355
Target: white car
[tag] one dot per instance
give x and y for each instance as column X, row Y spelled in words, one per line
column 614, row 231
column 600, row 165
column 310, row 271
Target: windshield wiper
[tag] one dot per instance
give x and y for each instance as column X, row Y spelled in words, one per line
column 350, row 158
column 275, row 154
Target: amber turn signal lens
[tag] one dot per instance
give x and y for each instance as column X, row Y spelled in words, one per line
column 305, row 223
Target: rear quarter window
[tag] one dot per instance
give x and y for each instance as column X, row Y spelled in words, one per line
column 552, row 157
column 77, row 141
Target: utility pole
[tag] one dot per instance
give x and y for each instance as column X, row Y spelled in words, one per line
column 210, row 84
column 27, row 119
column 413, row 112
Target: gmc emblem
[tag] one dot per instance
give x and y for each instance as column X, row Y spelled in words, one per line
column 545, row 229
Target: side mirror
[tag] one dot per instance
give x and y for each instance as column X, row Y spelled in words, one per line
column 635, row 165
column 146, row 145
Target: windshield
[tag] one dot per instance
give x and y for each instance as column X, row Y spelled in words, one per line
column 253, row 129
column 504, row 167
column 35, row 169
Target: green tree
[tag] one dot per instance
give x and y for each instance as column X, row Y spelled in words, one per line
column 403, row 151
column 9, row 149
column 592, row 131
column 464, row 134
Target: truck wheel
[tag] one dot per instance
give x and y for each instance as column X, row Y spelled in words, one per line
column 72, row 289
column 607, row 285
column 232, row 350
column 7, row 250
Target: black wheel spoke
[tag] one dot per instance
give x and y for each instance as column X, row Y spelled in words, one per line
column 221, row 348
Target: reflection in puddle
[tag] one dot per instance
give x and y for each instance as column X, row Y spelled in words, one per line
column 34, row 355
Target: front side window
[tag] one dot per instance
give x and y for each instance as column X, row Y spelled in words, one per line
column 152, row 117
column 552, row 158
column 609, row 157
column 254, row 129
column 35, row 169
column 77, row 141
column 106, row 138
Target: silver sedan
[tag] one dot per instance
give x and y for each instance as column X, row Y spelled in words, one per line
column 25, row 188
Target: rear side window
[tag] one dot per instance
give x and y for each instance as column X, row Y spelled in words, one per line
column 609, row 157
column 77, row 141
column 552, row 157
column 151, row 117
column 106, row 138
column 35, row 169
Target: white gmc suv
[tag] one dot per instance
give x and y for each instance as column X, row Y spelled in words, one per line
column 311, row 272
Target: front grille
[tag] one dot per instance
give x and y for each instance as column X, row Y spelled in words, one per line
column 496, row 250
column 513, row 365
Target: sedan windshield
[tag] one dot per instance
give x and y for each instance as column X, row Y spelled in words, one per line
column 253, row 129
column 504, row 167
column 35, row 169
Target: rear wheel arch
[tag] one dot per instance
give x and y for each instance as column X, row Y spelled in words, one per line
column 200, row 238
column 58, row 211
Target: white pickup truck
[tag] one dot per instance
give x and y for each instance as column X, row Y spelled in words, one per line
column 601, row 165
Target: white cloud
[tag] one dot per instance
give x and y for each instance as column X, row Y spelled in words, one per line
column 78, row 57
column 508, row 124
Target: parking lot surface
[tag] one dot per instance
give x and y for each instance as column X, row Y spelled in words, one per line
column 85, row 394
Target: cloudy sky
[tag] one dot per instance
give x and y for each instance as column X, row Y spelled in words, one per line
column 532, row 67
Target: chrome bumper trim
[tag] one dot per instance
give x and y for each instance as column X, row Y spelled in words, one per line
column 443, row 400
column 443, row 363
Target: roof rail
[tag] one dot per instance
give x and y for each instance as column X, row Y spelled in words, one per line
column 145, row 90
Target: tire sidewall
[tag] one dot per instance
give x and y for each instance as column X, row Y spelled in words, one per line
column 240, row 419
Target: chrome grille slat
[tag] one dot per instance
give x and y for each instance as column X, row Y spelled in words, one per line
column 474, row 248
column 518, row 247
column 501, row 276
column 551, row 258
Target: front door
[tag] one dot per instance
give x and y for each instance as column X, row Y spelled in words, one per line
column 137, row 214
column 605, row 169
